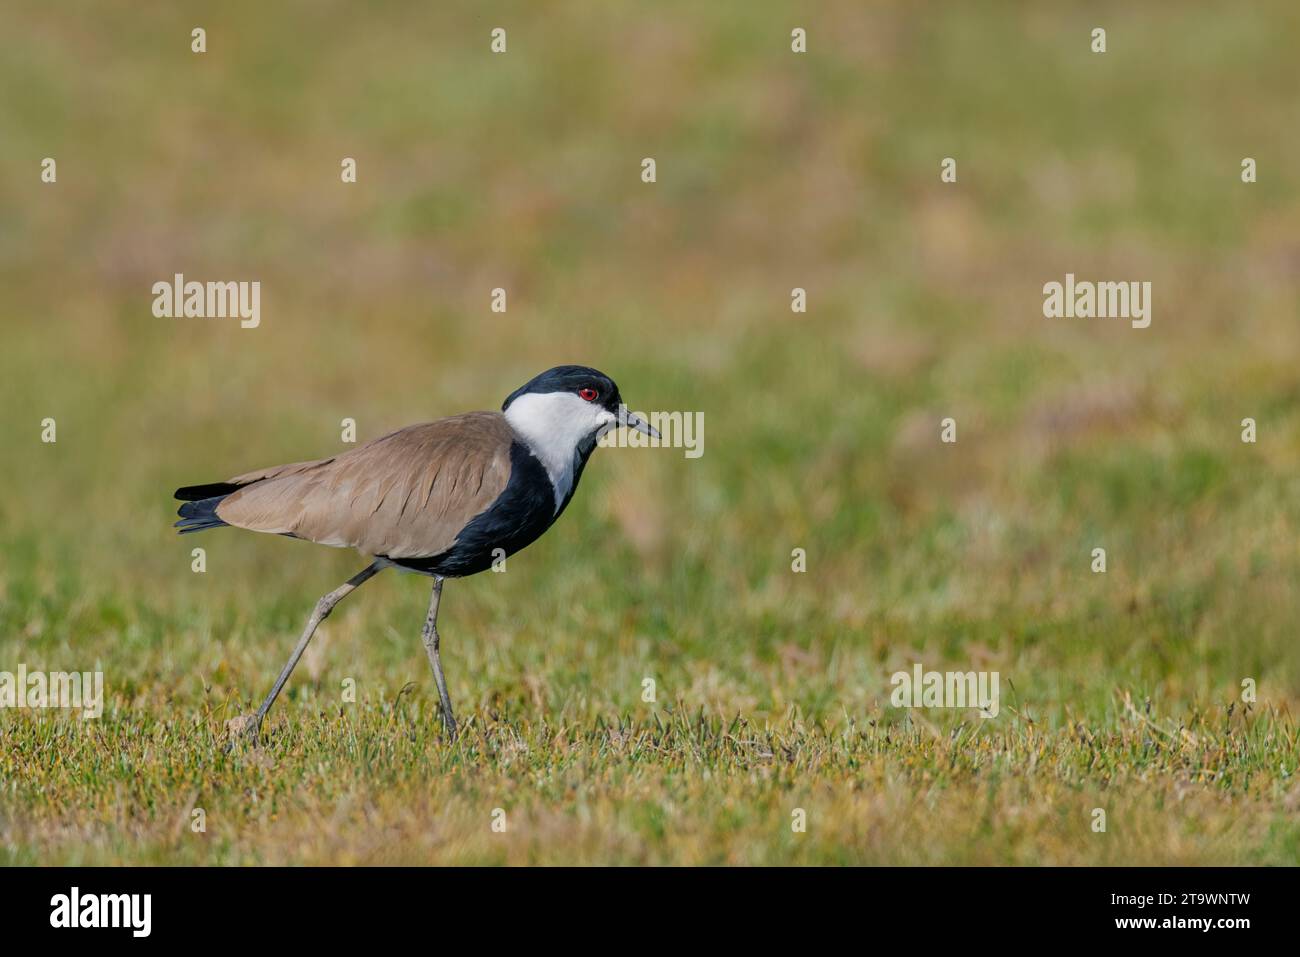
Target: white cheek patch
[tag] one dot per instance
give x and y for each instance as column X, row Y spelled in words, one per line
column 552, row 424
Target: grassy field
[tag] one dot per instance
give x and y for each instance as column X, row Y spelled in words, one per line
column 1121, row 691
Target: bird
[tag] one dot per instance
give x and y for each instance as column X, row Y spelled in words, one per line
column 445, row 499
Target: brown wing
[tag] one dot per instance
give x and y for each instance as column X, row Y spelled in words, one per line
column 406, row 495
column 276, row 471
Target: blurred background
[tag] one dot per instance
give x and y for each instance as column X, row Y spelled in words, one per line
column 775, row 171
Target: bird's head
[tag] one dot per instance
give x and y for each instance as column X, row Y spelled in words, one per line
column 569, row 406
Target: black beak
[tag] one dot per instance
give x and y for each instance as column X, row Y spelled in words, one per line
column 632, row 422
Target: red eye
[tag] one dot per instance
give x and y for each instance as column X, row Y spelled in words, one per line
column 588, row 394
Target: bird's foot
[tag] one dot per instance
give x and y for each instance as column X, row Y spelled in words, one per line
column 242, row 732
column 448, row 723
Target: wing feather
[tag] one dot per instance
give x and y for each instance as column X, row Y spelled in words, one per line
column 405, row 495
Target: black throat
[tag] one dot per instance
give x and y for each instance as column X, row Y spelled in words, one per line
column 523, row 511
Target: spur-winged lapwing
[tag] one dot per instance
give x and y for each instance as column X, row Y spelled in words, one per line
column 445, row 499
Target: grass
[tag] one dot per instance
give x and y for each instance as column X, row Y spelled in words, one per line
column 375, row 785
column 1121, row 691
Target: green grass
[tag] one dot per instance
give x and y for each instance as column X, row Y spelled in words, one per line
column 376, row 785
column 1120, row 691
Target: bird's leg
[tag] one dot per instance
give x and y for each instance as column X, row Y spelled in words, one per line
column 249, row 725
column 431, row 642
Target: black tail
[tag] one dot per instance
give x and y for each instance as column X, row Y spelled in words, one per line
column 200, row 508
column 193, row 493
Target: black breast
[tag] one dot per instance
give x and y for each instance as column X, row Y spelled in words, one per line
column 525, row 509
